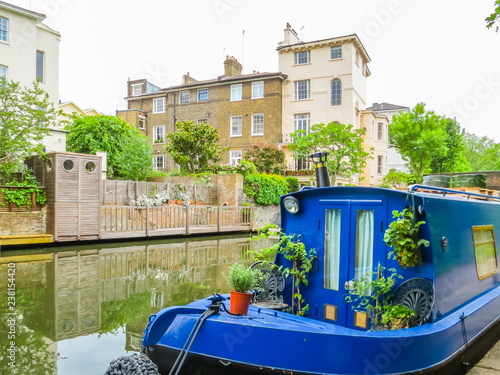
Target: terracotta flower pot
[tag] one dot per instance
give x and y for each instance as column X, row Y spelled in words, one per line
column 239, row 302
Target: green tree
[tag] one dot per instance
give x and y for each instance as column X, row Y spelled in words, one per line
column 347, row 156
column 134, row 161
column 482, row 153
column 25, row 118
column 396, row 179
column 266, row 158
column 419, row 136
column 494, row 17
column 452, row 161
column 194, row 146
column 89, row 134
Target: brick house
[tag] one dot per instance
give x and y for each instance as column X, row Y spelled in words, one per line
column 246, row 109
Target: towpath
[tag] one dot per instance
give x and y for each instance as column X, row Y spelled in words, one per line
column 490, row 364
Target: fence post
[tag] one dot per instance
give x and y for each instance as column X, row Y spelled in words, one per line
column 218, row 218
column 147, row 221
column 33, row 201
column 187, row 219
column 251, row 216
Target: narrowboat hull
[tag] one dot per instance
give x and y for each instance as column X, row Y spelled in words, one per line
column 270, row 342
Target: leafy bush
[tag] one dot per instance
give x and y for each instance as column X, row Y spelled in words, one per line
column 266, row 189
column 293, row 184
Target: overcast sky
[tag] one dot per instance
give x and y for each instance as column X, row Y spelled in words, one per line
column 438, row 52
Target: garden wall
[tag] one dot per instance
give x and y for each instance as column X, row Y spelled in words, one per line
column 23, row 223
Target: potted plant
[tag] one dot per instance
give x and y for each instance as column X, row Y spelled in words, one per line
column 241, row 279
column 397, row 316
column 404, row 236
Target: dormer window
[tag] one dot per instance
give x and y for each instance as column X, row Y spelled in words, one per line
column 303, row 57
column 137, row 89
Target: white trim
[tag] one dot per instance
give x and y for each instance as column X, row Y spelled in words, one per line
column 241, row 92
column 231, row 126
column 257, row 134
column 155, row 105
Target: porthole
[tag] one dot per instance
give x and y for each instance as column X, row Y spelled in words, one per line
column 89, row 321
column 90, row 166
column 68, row 165
column 67, row 326
column 48, row 165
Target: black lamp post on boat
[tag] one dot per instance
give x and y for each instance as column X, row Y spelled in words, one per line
column 319, row 159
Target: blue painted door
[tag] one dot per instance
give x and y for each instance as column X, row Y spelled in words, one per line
column 353, row 238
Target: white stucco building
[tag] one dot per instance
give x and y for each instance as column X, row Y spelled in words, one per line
column 29, row 51
column 394, row 159
column 327, row 83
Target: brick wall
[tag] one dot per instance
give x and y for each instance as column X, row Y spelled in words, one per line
column 23, row 223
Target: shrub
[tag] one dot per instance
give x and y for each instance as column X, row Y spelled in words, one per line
column 266, row 189
column 293, row 184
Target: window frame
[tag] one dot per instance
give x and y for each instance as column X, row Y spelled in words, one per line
column 302, row 57
column 301, row 120
column 380, row 165
column 380, row 131
column 236, row 159
column 4, row 31
column 232, row 128
column 258, row 87
column 184, row 97
column 143, row 120
column 6, row 69
column 157, row 158
column 478, row 228
column 40, row 78
column 199, row 92
column 297, row 90
column 202, row 121
column 236, row 92
column 333, row 54
column 254, row 133
column 159, row 135
column 137, row 86
column 336, row 91
column 156, row 106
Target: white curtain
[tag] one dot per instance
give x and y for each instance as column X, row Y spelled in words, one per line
column 332, row 249
column 363, row 262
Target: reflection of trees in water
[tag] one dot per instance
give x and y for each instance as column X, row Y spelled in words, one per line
column 35, row 353
column 79, row 292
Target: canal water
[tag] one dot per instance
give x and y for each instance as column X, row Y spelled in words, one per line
column 77, row 308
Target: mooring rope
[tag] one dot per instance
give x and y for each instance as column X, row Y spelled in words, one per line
column 135, row 364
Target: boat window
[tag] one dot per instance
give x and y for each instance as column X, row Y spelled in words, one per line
column 486, row 255
column 332, row 249
column 363, row 258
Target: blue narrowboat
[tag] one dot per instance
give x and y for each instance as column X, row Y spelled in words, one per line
column 454, row 291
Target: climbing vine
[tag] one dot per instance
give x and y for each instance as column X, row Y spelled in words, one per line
column 294, row 250
column 21, row 192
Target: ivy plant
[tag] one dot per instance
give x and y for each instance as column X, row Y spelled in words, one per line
column 294, row 250
column 372, row 293
column 21, row 192
column 403, row 235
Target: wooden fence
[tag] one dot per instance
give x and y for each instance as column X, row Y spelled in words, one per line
column 119, row 192
column 132, row 221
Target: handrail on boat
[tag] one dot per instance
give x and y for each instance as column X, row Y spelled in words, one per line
column 445, row 191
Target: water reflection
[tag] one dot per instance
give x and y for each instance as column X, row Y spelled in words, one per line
column 77, row 308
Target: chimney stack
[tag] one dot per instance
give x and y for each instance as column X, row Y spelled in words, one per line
column 232, row 67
